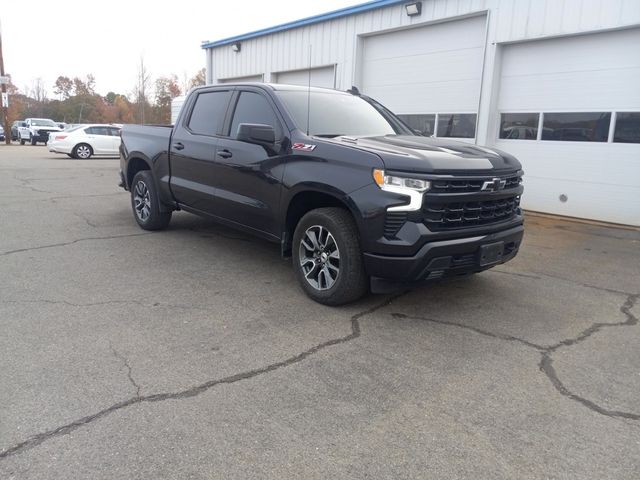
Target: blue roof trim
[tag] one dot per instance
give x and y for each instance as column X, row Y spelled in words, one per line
column 343, row 12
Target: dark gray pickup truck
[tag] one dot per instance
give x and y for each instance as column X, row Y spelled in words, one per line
column 357, row 198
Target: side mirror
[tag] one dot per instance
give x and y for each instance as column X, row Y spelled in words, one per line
column 257, row 133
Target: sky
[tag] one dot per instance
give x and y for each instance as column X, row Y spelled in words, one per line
column 107, row 39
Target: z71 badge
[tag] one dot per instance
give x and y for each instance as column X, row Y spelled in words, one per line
column 304, row 147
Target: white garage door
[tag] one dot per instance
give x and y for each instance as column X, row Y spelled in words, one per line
column 579, row 164
column 320, row 77
column 432, row 69
column 250, row 78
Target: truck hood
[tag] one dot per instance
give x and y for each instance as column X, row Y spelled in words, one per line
column 418, row 154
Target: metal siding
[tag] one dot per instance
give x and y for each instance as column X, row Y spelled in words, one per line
column 435, row 68
column 598, row 71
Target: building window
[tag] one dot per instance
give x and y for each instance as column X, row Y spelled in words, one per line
column 423, row 124
column 459, row 125
column 627, row 127
column 576, row 127
column 519, row 126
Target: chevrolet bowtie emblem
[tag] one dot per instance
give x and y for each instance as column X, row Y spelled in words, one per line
column 493, row 185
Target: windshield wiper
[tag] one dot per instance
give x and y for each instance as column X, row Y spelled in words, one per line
column 328, row 135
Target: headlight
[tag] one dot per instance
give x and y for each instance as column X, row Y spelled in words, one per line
column 411, row 187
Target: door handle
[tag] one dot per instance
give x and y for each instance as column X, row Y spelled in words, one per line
column 178, row 146
column 225, row 153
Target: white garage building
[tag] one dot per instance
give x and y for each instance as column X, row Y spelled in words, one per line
column 555, row 82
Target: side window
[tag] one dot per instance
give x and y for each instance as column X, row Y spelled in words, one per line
column 627, row 128
column 425, row 124
column 576, row 127
column 114, row 132
column 101, row 131
column 254, row 108
column 208, row 112
column 460, row 125
column 522, row 126
column 90, row 131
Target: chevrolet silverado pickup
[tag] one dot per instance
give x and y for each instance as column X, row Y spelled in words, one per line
column 352, row 194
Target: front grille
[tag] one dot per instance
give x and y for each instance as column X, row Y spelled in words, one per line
column 469, row 185
column 450, row 215
column 393, row 223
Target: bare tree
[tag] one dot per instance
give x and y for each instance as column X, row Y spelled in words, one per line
column 143, row 81
column 38, row 90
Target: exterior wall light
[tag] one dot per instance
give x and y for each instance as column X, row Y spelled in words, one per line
column 413, row 9
column 236, row 47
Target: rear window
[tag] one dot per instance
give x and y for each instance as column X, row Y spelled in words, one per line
column 208, row 112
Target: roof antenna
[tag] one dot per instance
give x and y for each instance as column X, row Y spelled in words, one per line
column 309, row 93
column 354, row 90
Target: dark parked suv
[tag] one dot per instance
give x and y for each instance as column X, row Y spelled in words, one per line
column 346, row 188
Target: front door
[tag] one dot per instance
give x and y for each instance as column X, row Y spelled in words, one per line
column 248, row 176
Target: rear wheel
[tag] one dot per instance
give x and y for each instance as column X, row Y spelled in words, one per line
column 82, row 151
column 327, row 257
column 146, row 204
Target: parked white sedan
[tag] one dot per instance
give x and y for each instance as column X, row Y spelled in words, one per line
column 85, row 141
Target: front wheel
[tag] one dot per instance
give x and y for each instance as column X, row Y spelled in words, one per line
column 327, row 258
column 146, row 204
column 33, row 140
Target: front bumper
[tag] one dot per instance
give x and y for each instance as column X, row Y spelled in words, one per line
column 443, row 258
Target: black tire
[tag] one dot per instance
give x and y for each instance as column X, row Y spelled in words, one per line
column 145, row 203
column 33, row 140
column 22, row 141
column 70, row 155
column 83, row 151
column 350, row 282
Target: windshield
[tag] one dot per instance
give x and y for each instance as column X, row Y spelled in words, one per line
column 41, row 122
column 334, row 114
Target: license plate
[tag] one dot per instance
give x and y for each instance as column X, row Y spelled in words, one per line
column 491, row 253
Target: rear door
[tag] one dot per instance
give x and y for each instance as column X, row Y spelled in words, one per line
column 193, row 149
column 249, row 176
column 99, row 139
column 114, row 141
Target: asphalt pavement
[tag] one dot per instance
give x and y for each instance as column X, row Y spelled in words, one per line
column 191, row 353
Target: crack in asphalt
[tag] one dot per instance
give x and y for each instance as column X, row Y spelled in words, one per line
column 40, row 438
column 205, row 307
column 128, row 367
column 539, row 275
column 25, row 183
column 86, row 220
column 63, row 244
column 546, row 352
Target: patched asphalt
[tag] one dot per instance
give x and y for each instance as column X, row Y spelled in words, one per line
column 191, row 353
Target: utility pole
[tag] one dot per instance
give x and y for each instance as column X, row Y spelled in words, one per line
column 5, row 98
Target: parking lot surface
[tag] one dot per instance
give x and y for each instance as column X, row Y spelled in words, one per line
column 191, row 353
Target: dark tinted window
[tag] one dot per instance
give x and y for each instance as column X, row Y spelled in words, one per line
column 254, row 108
column 627, row 127
column 520, row 126
column 334, row 114
column 460, row 125
column 576, row 127
column 425, row 124
column 208, row 112
column 114, row 131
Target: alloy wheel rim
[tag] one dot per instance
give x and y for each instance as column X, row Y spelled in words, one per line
column 83, row 151
column 319, row 257
column 142, row 201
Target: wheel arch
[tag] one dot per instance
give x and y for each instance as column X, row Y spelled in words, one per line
column 305, row 199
